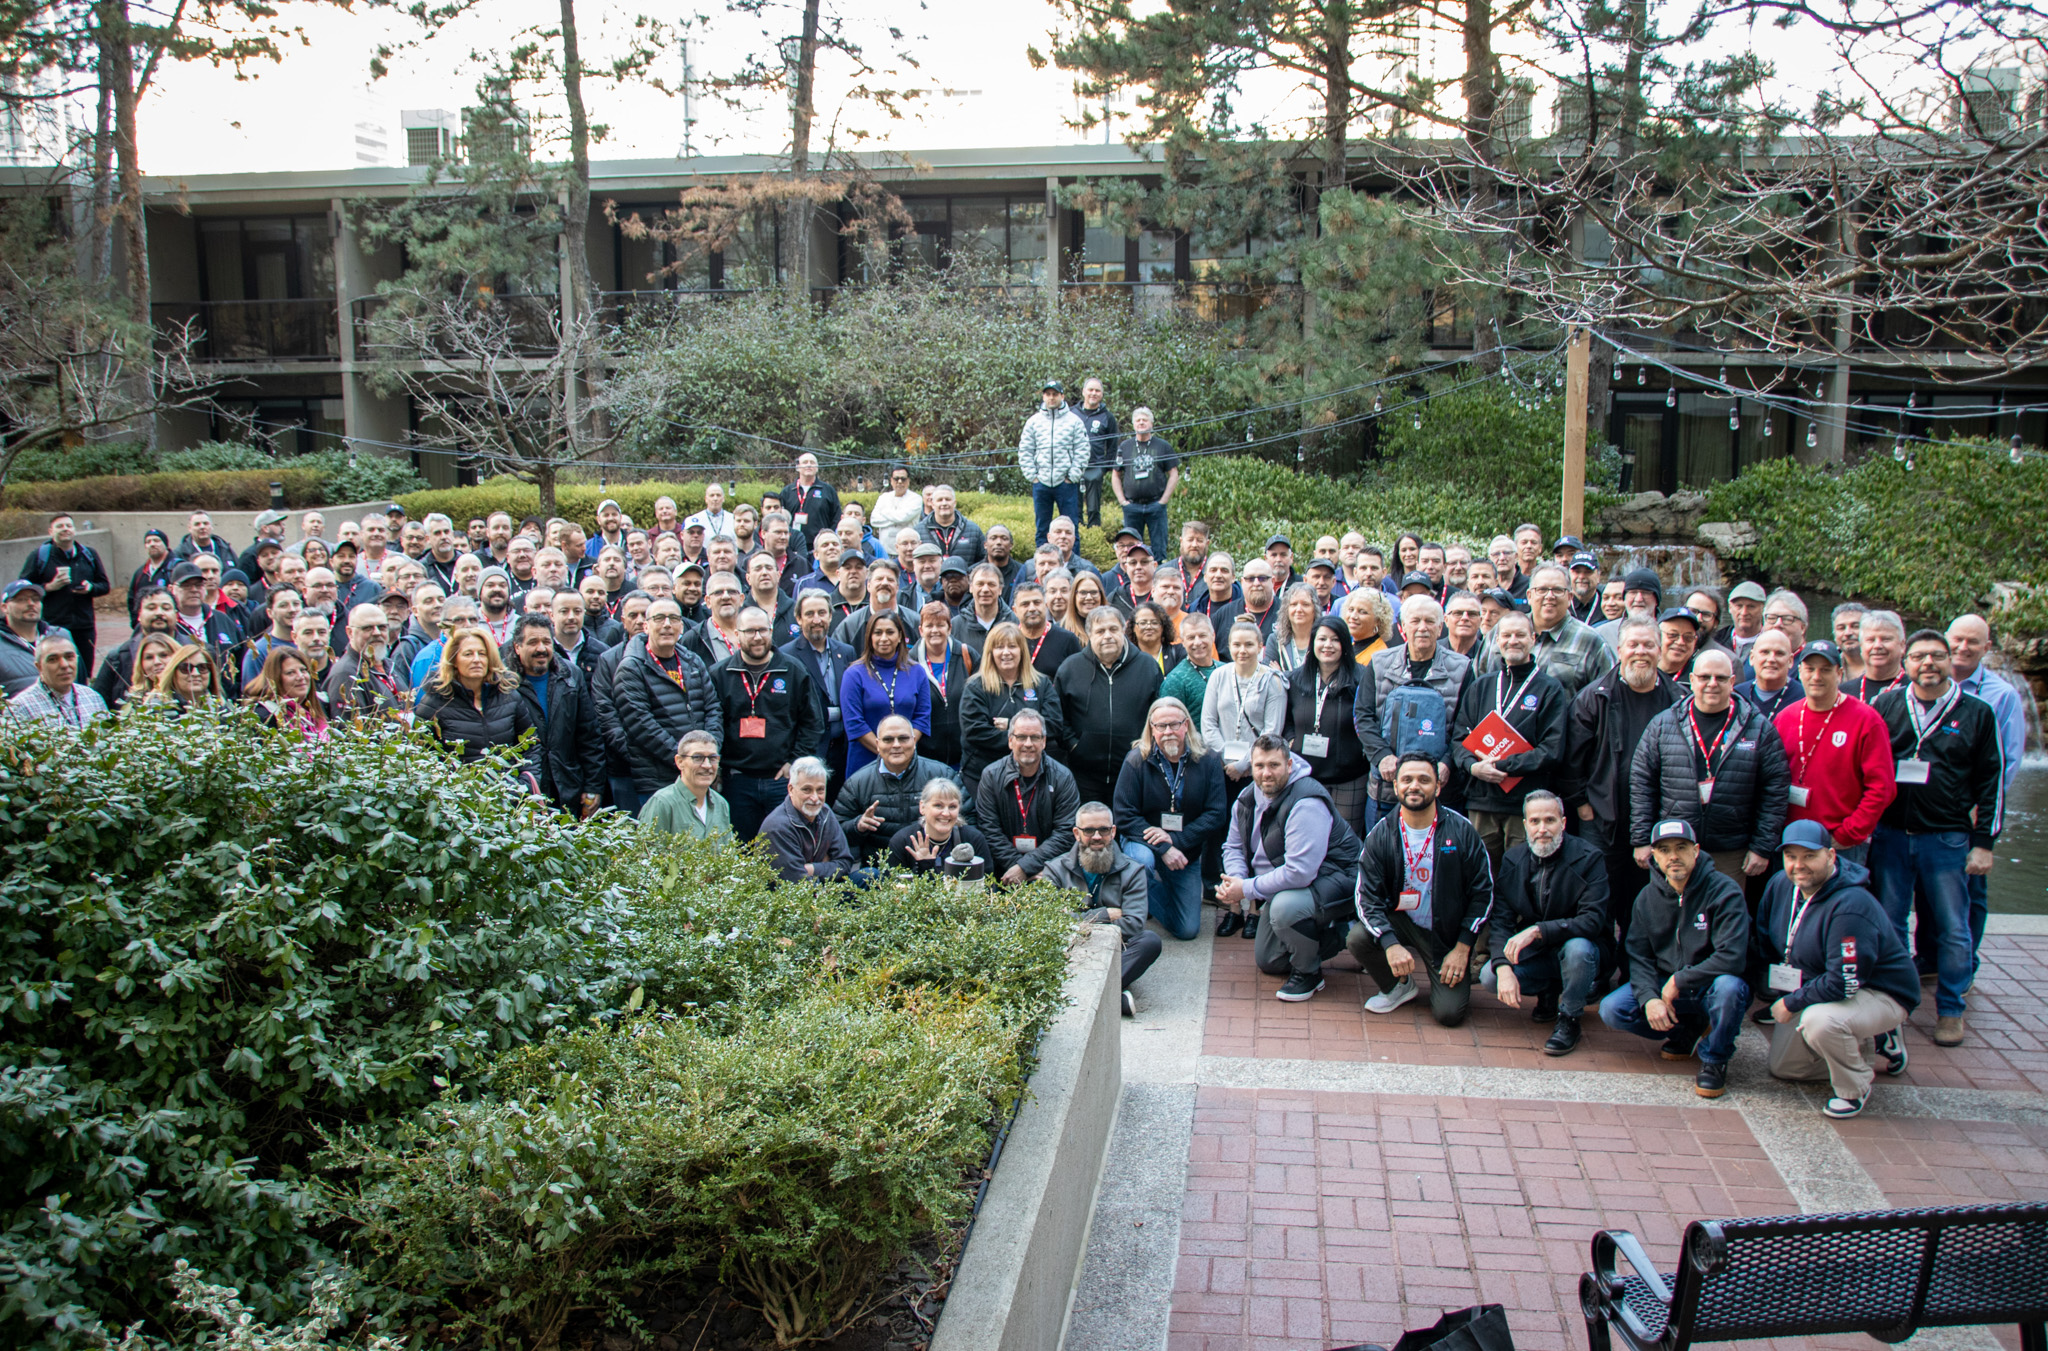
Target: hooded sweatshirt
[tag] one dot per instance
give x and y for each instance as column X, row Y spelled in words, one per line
column 1694, row 937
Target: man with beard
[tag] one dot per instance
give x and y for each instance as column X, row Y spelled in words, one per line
column 1585, row 602
column 361, row 682
column 771, row 719
column 1606, row 725
column 1025, row 804
column 71, row 576
column 1105, row 692
column 1425, row 894
column 883, row 594
column 824, row 660
column 1549, row 922
column 1049, row 643
column 718, row 637
column 1392, row 716
column 155, row 612
column 572, row 769
column 352, row 585
column 494, row 595
column 1115, row 888
column 1532, row 704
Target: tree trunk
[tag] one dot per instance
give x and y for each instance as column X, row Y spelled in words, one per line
column 1336, row 172
column 117, row 52
column 579, row 302
column 1628, row 138
column 796, row 228
column 100, row 237
column 544, row 479
column 1482, row 99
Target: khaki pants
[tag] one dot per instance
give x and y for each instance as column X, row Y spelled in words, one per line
column 1499, row 832
column 1728, row 863
column 1832, row 1041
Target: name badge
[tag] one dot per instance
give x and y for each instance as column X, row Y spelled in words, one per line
column 1409, row 900
column 1796, row 795
column 1318, row 746
column 1172, row 821
column 1785, row 979
column 1706, row 790
column 753, row 727
column 1024, row 843
column 801, row 517
column 1234, row 751
column 1912, row 771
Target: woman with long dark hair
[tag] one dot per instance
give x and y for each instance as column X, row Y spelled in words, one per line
column 285, row 696
column 1152, row 634
column 1319, row 726
column 883, row 682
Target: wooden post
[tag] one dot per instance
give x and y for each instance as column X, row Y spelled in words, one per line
column 1052, row 244
column 1572, row 520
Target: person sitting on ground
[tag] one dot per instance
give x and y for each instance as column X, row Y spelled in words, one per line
column 1290, row 855
column 1688, row 945
column 1170, row 806
column 927, row 844
column 880, row 798
column 804, row 838
column 1549, row 922
column 691, row 806
column 1116, row 888
column 1425, row 890
column 1841, row 980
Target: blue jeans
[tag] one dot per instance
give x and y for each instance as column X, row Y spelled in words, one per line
column 1934, row 859
column 1175, row 898
column 1149, row 520
column 1054, row 499
column 1711, row 1019
column 1980, row 915
column 626, row 797
column 1568, row 971
column 751, row 800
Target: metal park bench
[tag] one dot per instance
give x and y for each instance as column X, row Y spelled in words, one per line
column 1888, row 1273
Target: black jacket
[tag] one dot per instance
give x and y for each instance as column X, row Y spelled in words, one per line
column 1049, row 820
column 1051, row 648
column 1144, row 795
column 962, row 539
column 1597, row 757
column 1103, row 436
column 791, row 725
column 896, row 795
column 1844, row 944
column 1694, row 937
column 826, row 669
column 982, row 743
column 502, row 721
column 71, row 607
column 1564, row 896
column 1346, row 759
column 817, row 504
column 1105, row 708
column 351, row 690
column 1537, row 710
column 652, row 711
column 1461, row 894
column 944, row 744
column 794, row 841
column 1965, row 788
column 1751, row 781
column 147, row 576
column 572, row 758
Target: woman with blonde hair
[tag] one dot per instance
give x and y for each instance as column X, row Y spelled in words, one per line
column 153, row 652
column 1006, row 684
column 1369, row 618
column 190, row 678
column 471, row 701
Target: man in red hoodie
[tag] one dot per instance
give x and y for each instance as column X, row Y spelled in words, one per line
column 1840, row 752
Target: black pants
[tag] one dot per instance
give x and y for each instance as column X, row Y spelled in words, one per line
column 1448, row 1004
column 1093, row 789
column 1624, row 878
column 1091, row 497
column 1139, row 954
column 84, row 634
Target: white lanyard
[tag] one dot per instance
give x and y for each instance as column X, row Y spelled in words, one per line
column 1505, row 699
column 1322, row 693
column 1243, row 718
column 1922, row 729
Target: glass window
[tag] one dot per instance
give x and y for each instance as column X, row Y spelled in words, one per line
column 752, row 259
column 1155, row 256
column 1706, row 444
column 926, row 208
column 1027, row 239
column 978, row 231
column 1102, row 250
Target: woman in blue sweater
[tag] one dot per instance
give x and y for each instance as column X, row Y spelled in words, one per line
column 886, row 680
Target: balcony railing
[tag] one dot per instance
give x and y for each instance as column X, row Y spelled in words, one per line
column 256, row 330
column 531, row 317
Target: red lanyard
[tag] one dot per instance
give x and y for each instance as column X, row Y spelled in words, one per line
column 1418, row 872
column 1039, row 644
column 938, row 677
column 1023, row 803
column 753, row 690
column 675, row 675
column 1807, row 748
column 1706, row 751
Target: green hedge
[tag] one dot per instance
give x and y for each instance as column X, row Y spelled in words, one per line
column 1929, row 540
column 205, row 478
column 269, row 1005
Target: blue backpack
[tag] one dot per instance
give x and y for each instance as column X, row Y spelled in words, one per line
column 1415, row 718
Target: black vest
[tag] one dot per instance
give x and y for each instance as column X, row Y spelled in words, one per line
column 1337, row 879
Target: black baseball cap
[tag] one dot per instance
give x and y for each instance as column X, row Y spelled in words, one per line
column 1126, row 530
column 1805, row 835
column 1280, row 539
column 186, row 572
column 1822, row 648
column 1568, row 542
column 18, row 588
column 1585, row 559
column 953, row 563
column 1678, row 612
column 1053, row 385
column 1420, row 579
column 1500, row 596
column 1673, row 829
column 1315, row 563
column 1643, row 579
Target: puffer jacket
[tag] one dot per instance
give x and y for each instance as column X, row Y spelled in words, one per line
column 1751, row 781
column 653, row 711
column 1053, row 447
column 502, row 721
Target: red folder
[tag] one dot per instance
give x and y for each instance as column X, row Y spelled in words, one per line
column 1494, row 737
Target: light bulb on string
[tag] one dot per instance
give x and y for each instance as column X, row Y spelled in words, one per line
column 2018, row 456
column 1898, row 449
column 1642, row 374
column 1909, row 464
column 1912, row 398
column 1767, row 426
column 1418, row 420
column 1376, row 405
column 1671, row 397
column 1723, row 381
column 1734, row 418
column 1812, row 435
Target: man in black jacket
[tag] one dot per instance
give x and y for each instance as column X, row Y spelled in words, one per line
column 804, row 838
column 881, row 797
column 1688, row 945
column 1425, row 889
column 812, row 504
column 825, row 661
column 1026, row 804
column 1534, row 705
column 1103, row 436
column 1950, row 807
column 71, row 576
column 1840, row 975
column 572, row 768
column 1549, row 922
column 771, row 720
column 1170, row 805
column 1290, row 856
column 660, row 691
column 1715, row 761
column 1105, row 693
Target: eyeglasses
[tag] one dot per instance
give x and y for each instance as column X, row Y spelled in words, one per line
column 703, row 758
column 1547, row 590
column 1094, row 830
column 1164, row 726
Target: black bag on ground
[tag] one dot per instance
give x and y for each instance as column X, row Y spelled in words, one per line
column 1483, row 1327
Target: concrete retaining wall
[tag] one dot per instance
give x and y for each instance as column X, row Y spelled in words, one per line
column 1017, row 1277
column 116, row 536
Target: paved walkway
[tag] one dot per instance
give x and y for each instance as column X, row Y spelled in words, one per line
column 1310, row 1176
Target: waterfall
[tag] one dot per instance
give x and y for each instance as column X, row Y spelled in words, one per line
column 1998, row 661
column 1679, row 565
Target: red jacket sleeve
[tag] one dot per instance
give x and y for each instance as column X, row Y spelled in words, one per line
column 1874, row 760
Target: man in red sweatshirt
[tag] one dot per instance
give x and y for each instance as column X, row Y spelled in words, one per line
column 1840, row 752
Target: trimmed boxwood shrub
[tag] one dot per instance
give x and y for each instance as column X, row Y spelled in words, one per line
column 221, row 477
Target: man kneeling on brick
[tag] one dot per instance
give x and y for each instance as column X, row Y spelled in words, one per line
column 1549, row 918
column 1688, row 944
column 1841, row 978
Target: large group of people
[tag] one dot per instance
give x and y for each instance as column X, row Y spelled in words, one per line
column 1505, row 770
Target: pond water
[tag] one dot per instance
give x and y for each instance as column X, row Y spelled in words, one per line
column 2019, row 880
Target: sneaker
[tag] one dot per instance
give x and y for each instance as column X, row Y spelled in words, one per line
column 1842, row 1108
column 1392, row 999
column 1762, row 1017
column 1300, row 986
column 1891, row 1048
column 1564, row 1038
column 1130, row 1005
column 1678, row 1046
column 1546, row 1009
column 1948, row 1030
column 1711, row 1081
column 1229, row 922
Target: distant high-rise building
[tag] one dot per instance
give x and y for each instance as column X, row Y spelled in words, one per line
column 372, row 130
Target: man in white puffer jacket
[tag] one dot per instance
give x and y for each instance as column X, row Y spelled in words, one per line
column 1052, row 452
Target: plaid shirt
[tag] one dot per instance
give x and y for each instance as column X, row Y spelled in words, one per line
column 36, row 704
column 1572, row 654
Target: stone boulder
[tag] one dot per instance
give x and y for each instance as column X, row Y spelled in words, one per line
column 1654, row 515
column 1729, row 537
